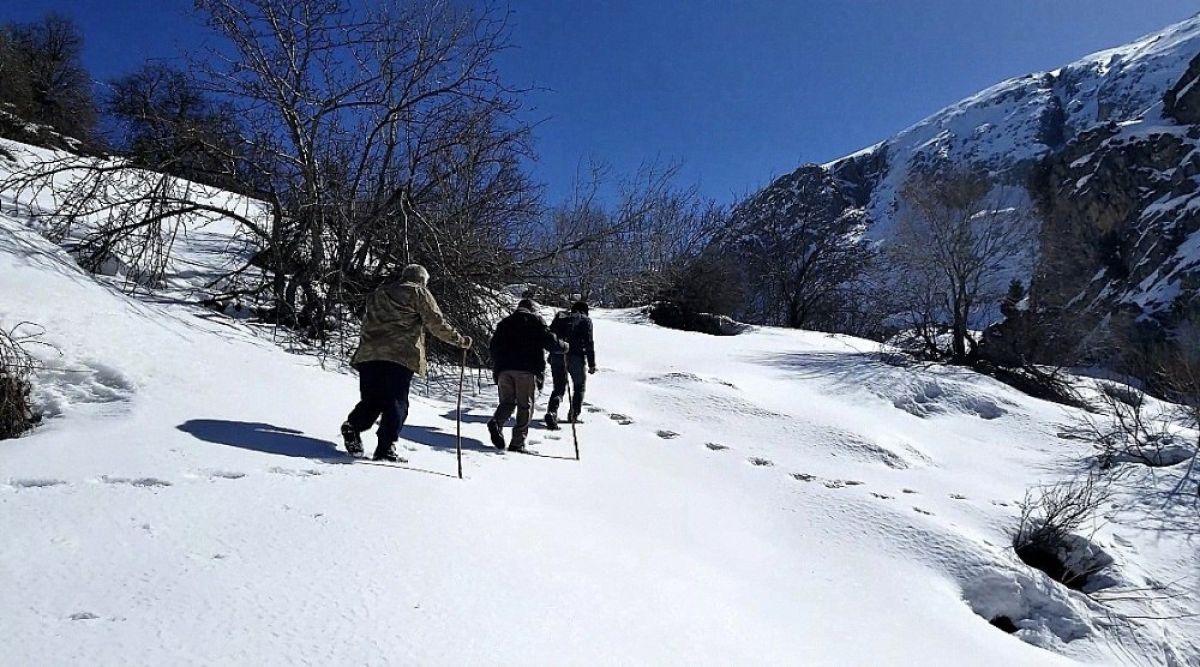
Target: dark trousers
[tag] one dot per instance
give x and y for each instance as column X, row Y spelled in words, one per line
column 383, row 388
column 560, row 366
column 517, row 390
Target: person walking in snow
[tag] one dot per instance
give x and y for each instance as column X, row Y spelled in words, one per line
column 519, row 349
column 574, row 327
column 390, row 351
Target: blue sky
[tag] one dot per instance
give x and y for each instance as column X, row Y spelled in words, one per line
column 740, row 90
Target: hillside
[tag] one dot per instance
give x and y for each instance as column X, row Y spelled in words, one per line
column 1032, row 135
column 777, row 497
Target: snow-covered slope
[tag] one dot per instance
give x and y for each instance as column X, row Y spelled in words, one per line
column 778, row 497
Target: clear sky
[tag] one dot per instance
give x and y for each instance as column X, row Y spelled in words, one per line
column 740, row 90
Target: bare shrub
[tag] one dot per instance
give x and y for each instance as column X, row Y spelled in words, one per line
column 16, row 373
column 1047, row 536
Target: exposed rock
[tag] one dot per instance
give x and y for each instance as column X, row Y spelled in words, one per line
column 1120, row 206
column 1182, row 101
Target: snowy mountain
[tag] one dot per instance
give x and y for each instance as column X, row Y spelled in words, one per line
column 1022, row 131
column 777, row 497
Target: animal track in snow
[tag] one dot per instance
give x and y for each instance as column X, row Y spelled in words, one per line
column 620, row 419
column 35, row 483
column 715, row 447
column 757, row 461
column 666, row 435
column 143, row 482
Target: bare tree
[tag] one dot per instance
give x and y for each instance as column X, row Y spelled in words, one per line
column 368, row 136
column 626, row 248
column 799, row 260
column 43, row 76
column 957, row 237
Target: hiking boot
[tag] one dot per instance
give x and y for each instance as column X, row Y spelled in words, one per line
column 388, row 453
column 573, row 418
column 551, row 421
column 497, row 435
column 352, row 440
column 516, row 447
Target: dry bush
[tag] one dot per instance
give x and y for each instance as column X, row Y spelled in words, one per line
column 1047, row 536
column 16, row 372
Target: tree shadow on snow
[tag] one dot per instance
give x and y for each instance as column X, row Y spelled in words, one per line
column 260, row 437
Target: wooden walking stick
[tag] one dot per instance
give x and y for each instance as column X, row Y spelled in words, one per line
column 462, row 373
column 574, row 434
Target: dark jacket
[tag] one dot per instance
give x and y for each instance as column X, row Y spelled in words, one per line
column 521, row 342
column 576, row 330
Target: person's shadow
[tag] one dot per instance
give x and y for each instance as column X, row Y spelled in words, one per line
column 438, row 439
column 271, row 439
column 261, row 437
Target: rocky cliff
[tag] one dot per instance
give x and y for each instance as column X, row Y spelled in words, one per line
column 1100, row 152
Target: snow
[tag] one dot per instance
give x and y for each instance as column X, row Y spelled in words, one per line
column 777, row 497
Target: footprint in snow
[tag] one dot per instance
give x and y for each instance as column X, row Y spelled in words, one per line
column 35, row 483
column 225, row 474
column 1000, row 503
column 851, row 482
column 553, row 437
column 715, row 447
column 834, row 484
column 620, row 419
column 143, row 482
column 881, row 496
column 957, row 496
column 593, row 409
column 666, row 435
column 756, row 461
column 908, row 490
column 83, row 616
column 293, row 472
column 918, row 510
column 803, row 477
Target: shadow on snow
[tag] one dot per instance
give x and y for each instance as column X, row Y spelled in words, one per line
column 260, row 437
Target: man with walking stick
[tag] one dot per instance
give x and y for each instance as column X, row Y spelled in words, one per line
column 519, row 349
column 575, row 328
column 391, row 350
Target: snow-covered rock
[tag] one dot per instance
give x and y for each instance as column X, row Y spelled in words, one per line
column 1038, row 134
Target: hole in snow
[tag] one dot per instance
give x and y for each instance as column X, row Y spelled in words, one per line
column 1004, row 623
column 1073, row 561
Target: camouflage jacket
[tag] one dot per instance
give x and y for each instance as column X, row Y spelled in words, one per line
column 394, row 328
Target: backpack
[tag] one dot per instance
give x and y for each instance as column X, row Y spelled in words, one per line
column 571, row 327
